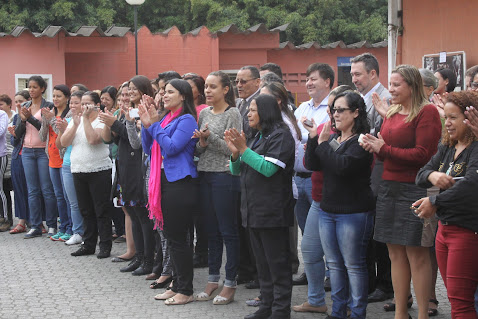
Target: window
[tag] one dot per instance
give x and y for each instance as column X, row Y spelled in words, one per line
column 21, row 83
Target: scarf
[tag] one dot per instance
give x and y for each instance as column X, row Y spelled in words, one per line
column 154, row 202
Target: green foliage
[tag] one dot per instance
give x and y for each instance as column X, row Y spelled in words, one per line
column 323, row 21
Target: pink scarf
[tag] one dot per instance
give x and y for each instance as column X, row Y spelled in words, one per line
column 154, row 202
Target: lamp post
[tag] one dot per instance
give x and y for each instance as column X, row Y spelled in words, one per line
column 135, row 4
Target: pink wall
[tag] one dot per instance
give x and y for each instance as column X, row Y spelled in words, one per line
column 431, row 26
column 29, row 55
column 156, row 53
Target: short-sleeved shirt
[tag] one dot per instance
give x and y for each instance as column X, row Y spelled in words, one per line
column 268, row 201
column 87, row 158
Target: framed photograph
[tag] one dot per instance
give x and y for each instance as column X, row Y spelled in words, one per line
column 455, row 61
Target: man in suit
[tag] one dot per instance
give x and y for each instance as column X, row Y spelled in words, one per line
column 248, row 87
column 248, row 82
column 365, row 76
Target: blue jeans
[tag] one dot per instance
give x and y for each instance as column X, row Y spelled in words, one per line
column 313, row 256
column 70, row 195
column 35, row 164
column 304, row 201
column 220, row 202
column 345, row 238
column 62, row 200
column 20, row 189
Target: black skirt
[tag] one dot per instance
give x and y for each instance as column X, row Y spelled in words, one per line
column 395, row 222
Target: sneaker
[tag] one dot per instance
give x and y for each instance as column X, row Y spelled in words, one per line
column 83, row 251
column 33, row 233
column 51, row 232
column 74, row 240
column 57, row 236
column 65, row 237
column 43, row 229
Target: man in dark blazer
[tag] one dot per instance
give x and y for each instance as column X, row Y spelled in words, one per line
column 248, row 82
column 365, row 76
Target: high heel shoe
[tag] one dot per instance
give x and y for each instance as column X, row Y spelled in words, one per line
column 157, row 285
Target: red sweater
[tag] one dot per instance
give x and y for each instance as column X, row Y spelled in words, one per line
column 409, row 146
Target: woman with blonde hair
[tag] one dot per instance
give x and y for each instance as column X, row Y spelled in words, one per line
column 408, row 139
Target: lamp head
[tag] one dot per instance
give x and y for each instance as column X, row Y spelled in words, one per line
column 135, row 2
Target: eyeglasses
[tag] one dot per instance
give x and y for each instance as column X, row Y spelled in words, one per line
column 339, row 110
column 243, row 81
column 474, row 85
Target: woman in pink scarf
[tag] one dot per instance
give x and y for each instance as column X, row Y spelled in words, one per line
column 173, row 187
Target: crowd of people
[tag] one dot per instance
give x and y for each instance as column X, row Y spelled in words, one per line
column 379, row 181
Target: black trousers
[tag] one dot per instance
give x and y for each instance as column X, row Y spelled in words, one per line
column 143, row 233
column 178, row 202
column 272, row 251
column 93, row 192
column 247, row 262
column 379, row 267
column 117, row 216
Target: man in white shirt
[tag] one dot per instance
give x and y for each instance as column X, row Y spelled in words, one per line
column 319, row 83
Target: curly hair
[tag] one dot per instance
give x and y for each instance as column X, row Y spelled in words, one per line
column 354, row 102
column 462, row 99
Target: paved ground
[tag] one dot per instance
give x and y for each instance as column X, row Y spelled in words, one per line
column 39, row 279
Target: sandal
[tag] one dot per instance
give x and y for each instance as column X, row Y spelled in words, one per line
column 391, row 305
column 220, row 300
column 165, row 295
column 433, row 312
column 204, row 296
column 171, row 301
column 157, row 285
column 18, row 229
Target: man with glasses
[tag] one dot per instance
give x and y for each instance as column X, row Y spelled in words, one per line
column 248, row 83
column 319, row 83
column 365, row 72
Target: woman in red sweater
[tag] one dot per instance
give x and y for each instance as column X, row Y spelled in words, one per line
column 409, row 137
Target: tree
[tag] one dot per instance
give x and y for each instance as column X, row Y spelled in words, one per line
column 323, row 21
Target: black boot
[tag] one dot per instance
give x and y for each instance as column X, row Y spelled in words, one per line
column 133, row 265
column 145, row 268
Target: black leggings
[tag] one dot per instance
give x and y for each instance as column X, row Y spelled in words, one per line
column 178, row 202
column 143, row 233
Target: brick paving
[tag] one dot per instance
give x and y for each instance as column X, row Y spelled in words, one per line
column 39, row 279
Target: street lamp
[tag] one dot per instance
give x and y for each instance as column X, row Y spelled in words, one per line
column 135, row 4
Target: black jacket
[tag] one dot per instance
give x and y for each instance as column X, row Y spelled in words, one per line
column 129, row 165
column 268, row 201
column 458, row 204
column 346, row 171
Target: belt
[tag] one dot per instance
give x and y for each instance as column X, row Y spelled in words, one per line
column 303, row 175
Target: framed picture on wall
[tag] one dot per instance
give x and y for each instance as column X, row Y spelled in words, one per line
column 455, row 61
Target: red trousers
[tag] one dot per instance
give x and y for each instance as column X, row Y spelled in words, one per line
column 457, row 256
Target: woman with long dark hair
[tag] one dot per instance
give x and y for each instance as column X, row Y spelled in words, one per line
column 346, row 209
column 173, row 188
column 129, row 180
column 49, row 134
column 266, row 165
column 219, row 188
column 35, row 159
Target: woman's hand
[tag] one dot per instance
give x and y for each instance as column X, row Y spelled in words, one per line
column 25, row 113
column 472, row 119
column 107, row 118
column 88, row 109
column 381, row 106
column 372, row 144
column 11, row 129
column 325, row 134
column 202, row 135
column 47, row 114
column 61, row 125
column 230, row 145
column 425, row 209
column 77, row 119
column 148, row 101
column 144, row 116
column 125, row 111
column 441, row 180
column 312, row 130
column 238, row 140
column 440, row 105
